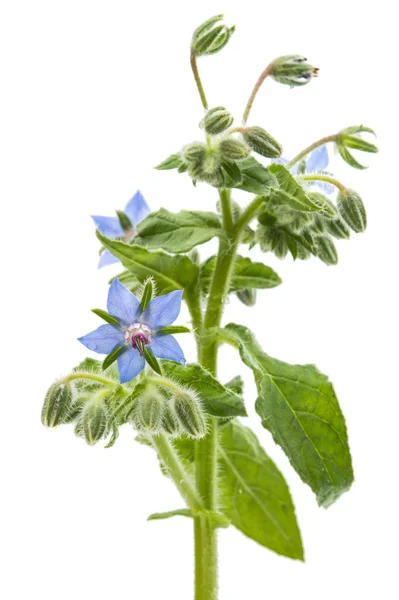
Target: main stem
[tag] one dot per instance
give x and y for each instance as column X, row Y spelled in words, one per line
column 206, row 449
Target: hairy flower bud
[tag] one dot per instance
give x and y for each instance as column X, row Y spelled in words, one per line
column 194, row 154
column 216, row 120
column 352, row 210
column 57, row 405
column 328, row 208
column 338, row 228
column 149, row 410
column 170, row 425
column 231, row 149
column 189, row 414
column 247, row 296
column 93, row 420
column 326, row 250
column 210, row 37
column 292, row 70
column 262, row 142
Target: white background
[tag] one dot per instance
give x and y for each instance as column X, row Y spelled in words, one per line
column 94, row 94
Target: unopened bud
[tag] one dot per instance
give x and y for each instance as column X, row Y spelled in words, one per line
column 292, row 70
column 93, row 421
column 338, row 228
column 247, row 296
column 189, row 414
column 262, row 142
column 352, row 210
column 170, row 424
column 327, row 207
column 210, row 37
column 318, row 225
column 326, row 250
column 57, row 405
column 148, row 412
column 351, row 138
column 216, row 120
column 231, row 149
column 194, row 154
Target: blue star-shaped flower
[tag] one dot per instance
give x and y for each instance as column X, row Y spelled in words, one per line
column 316, row 162
column 137, row 330
column 136, row 209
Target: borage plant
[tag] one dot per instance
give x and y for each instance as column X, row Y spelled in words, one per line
column 182, row 410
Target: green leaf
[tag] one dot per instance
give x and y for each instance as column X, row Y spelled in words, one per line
column 247, row 274
column 289, row 192
column 130, row 281
column 179, row 512
column 236, row 384
column 152, row 361
column 111, row 358
column 233, row 172
column 217, row 400
column 256, row 178
column 298, row 405
column 169, row 272
column 105, row 316
column 173, row 329
column 172, row 162
column 177, row 232
column 254, row 493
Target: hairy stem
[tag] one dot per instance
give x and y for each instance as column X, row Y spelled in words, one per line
column 256, row 89
column 248, row 214
column 301, row 155
column 331, row 180
column 93, row 377
column 194, row 67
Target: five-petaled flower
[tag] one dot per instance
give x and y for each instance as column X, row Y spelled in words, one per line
column 136, row 209
column 137, row 330
column 316, row 162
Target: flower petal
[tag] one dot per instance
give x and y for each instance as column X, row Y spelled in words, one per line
column 104, row 339
column 137, row 208
column 165, row 346
column 106, row 258
column 122, row 304
column 318, row 160
column 108, row 226
column 130, row 364
column 163, row 310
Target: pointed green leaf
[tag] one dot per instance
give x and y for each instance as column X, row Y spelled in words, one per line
column 171, row 329
column 172, row 162
column 254, row 493
column 169, row 272
column 236, row 384
column 105, row 316
column 298, row 405
column 247, row 274
column 217, row 400
column 233, row 172
column 111, row 358
column 179, row 512
column 289, row 192
column 177, row 232
column 256, row 178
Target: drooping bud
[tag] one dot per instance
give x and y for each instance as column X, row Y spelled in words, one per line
column 194, row 154
column 148, row 411
column 57, row 405
column 216, row 120
column 247, row 296
column 231, row 149
column 328, row 208
column 292, row 70
column 262, row 142
column 318, row 225
column 170, row 425
column 338, row 228
column 189, row 414
column 93, row 421
column 352, row 210
column 210, row 37
column 326, row 250
column 124, row 221
column 351, row 138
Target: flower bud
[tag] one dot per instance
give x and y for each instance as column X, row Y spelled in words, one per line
column 216, row 120
column 326, row 250
column 57, row 405
column 194, row 154
column 292, row 70
column 247, row 296
column 231, row 149
column 351, row 138
column 262, row 142
column 327, row 207
column 189, row 414
column 210, row 37
column 338, row 228
column 352, row 210
column 93, row 421
column 170, row 424
column 149, row 410
column 318, row 225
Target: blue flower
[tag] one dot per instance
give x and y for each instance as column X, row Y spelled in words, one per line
column 137, row 330
column 316, row 162
column 136, row 209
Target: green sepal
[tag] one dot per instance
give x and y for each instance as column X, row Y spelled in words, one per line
column 124, row 221
column 173, row 161
column 172, row 329
column 111, row 358
column 147, row 294
column 152, row 361
column 105, row 316
column 179, row 512
column 349, row 158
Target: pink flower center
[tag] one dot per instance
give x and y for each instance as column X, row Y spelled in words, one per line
column 138, row 336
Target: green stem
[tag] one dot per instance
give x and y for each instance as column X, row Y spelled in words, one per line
column 248, row 214
column 194, row 67
column 227, row 214
column 193, row 301
column 93, row 377
column 321, row 142
column 258, row 84
column 331, row 180
column 183, row 481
